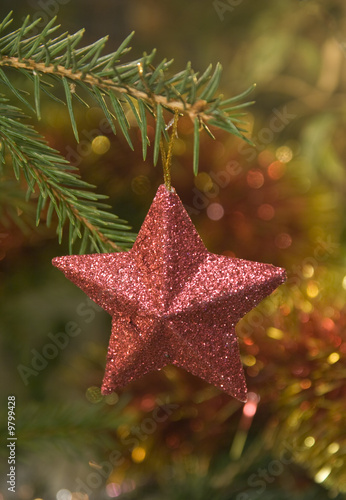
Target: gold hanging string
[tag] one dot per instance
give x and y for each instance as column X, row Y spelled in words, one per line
column 167, row 159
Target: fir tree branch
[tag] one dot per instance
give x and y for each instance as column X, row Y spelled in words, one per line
column 60, row 188
column 107, row 80
column 48, row 61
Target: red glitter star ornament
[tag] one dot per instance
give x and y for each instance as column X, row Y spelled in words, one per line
column 172, row 301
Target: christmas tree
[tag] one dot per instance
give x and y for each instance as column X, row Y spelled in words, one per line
column 82, row 121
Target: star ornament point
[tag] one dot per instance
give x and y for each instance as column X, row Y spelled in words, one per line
column 172, row 301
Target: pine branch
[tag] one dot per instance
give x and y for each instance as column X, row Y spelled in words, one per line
column 113, row 84
column 48, row 61
column 60, row 188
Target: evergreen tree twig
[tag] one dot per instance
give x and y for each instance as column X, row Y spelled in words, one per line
column 60, row 188
column 49, row 60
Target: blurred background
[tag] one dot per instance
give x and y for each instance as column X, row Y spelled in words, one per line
column 282, row 201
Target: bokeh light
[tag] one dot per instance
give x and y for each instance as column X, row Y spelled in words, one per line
column 250, row 407
column 312, row 289
column 100, row 145
column 64, row 495
column 322, row 474
column 284, row 154
column 308, row 271
column 111, row 399
column 283, row 240
column 333, row 358
column 309, row 441
column 215, row 211
column 344, row 283
column 255, row 179
column 333, row 448
column 276, row 170
column 275, row 333
column 305, row 384
column 203, row 182
column 93, row 394
column 138, row 454
column 140, row 184
column 113, row 490
column 249, row 360
column 266, row 211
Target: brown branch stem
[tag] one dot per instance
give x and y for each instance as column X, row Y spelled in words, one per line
column 192, row 110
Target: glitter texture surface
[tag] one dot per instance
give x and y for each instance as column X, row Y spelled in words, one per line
column 172, row 301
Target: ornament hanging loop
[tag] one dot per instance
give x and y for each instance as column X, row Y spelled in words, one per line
column 167, row 159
